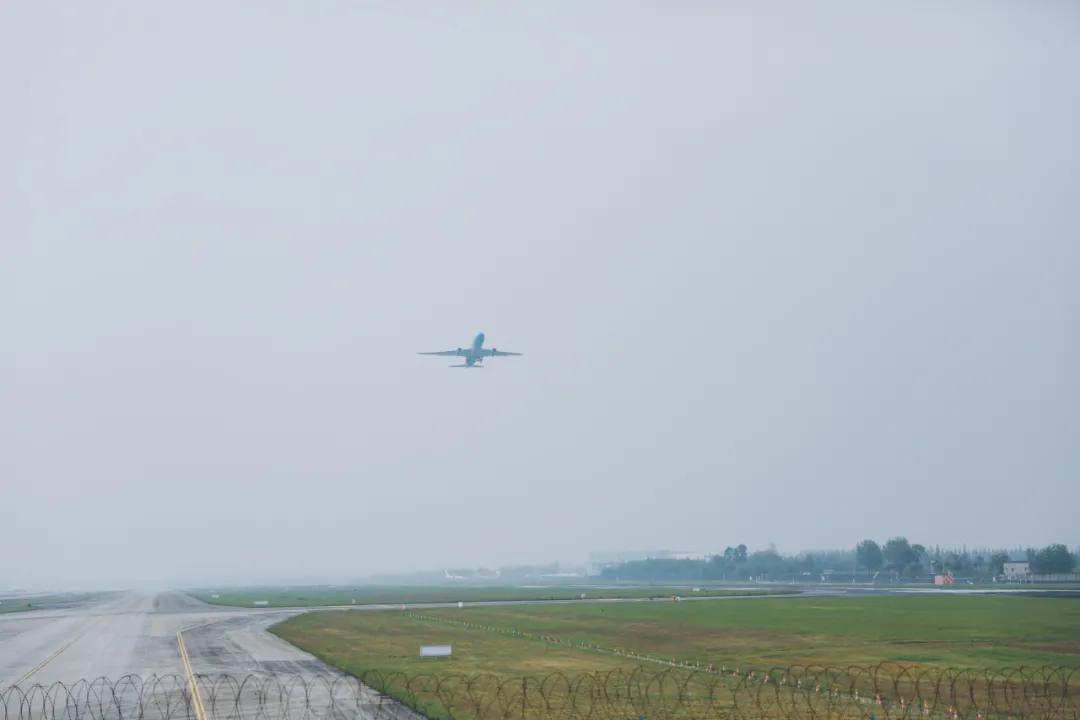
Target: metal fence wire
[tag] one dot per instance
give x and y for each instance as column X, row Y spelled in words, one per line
column 881, row 692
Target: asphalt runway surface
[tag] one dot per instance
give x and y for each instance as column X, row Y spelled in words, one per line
column 136, row 634
column 169, row 656
column 154, row 649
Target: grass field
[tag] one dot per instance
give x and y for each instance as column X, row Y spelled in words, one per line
column 391, row 595
column 929, row 631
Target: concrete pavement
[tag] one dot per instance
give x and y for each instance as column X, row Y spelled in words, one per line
column 136, row 634
column 184, row 660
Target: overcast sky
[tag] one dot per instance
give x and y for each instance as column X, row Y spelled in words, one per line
column 779, row 274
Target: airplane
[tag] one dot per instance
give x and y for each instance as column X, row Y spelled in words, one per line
column 474, row 355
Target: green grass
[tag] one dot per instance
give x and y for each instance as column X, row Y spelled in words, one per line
column 929, row 631
column 389, row 641
column 391, row 595
column 496, row 646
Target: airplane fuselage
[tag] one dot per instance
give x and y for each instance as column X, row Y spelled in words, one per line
column 474, row 354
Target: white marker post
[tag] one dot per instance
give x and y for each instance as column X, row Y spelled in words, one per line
column 436, row 651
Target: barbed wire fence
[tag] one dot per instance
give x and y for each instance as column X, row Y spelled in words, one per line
column 880, row 692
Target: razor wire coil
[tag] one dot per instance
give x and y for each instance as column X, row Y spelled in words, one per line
column 880, row 692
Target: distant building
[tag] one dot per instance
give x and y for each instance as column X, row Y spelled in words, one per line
column 1018, row 570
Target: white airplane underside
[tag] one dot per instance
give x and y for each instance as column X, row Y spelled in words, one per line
column 474, row 355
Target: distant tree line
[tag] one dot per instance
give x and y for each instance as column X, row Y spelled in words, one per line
column 905, row 560
column 895, row 559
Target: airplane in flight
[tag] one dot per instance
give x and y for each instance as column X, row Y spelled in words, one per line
column 474, row 356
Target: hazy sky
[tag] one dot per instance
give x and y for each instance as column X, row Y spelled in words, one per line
column 780, row 274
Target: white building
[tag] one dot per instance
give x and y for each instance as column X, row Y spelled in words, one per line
column 1018, row 570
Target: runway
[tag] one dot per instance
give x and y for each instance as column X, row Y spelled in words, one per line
column 168, row 656
column 136, row 634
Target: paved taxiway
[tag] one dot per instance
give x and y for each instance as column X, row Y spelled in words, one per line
column 136, row 633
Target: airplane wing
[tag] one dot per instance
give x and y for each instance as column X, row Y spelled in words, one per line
column 449, row 353
column 497, row 353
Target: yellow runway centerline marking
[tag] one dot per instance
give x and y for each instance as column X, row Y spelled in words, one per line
column 196, row 696
column 52, row 657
